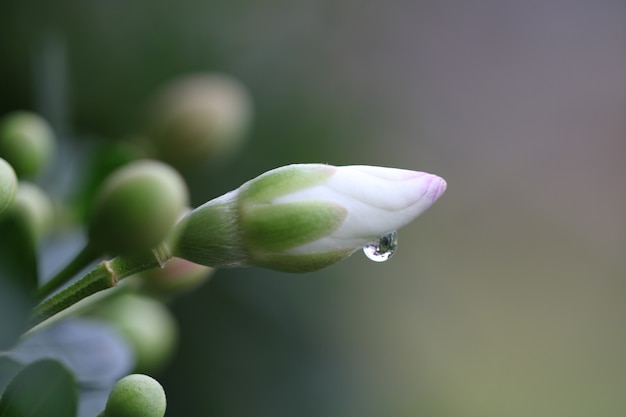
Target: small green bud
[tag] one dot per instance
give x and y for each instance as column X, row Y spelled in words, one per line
column 105, row 159
column 136, row 395
column 8, row 185
column 26, row 141
column 35, row 209
column 198, row 118
column 136, row 207
column 146, row 324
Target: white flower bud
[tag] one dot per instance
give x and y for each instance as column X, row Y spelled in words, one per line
column 300, row 218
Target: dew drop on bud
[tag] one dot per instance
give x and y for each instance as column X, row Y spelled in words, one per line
column 381, row 250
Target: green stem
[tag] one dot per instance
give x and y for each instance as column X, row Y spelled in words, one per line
column 105, row 275
column 86, row 256
column 78, row 308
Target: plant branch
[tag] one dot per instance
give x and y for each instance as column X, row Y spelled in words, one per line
column 87, row 255
column 104, row 276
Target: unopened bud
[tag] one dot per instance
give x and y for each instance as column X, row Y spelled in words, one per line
column 33, row 206
column 26, row 142
column 199, row 118
column 146, row 324
column 301, row 218
column 136, row 395
column 136, row 207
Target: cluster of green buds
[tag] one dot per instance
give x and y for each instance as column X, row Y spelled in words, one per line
column 134, row 212
column 127, row 199
column 26, row 213
column 27, row 146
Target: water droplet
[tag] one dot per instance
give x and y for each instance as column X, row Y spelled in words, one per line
column 380, row 250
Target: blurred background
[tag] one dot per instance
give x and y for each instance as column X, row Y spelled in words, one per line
column 505, row 299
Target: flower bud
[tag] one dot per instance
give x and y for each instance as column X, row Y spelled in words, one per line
column 104, row 160
column 136, row 395
column 33, row 206
column 8, row 185
column 301, row 218
column 198, row 118
column 136, row 207
column 146, row 324
column 26, row 142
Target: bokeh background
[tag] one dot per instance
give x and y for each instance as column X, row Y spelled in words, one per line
column 507, row 298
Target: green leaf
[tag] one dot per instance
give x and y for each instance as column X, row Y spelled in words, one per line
column 8, row 369
column 42, row 389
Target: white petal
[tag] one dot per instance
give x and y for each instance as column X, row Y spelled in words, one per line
column 379, row 200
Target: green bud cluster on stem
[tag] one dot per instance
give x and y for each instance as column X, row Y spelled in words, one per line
column 296, row 218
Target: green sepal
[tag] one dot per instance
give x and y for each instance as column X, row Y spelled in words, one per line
column 210, row 236
column 44, row 388
column 267, row 187
column 270, row 228
column 301, row 262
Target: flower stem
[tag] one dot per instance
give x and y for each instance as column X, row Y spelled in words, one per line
column 105, row 275
column 87, row 255
column 79, row 308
